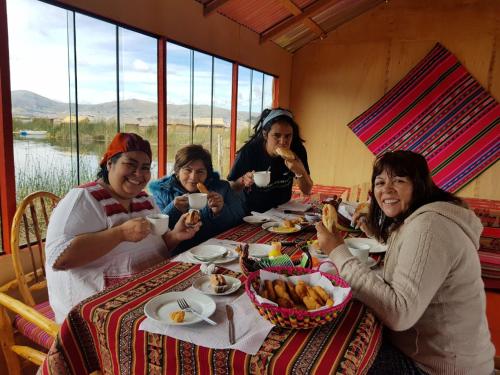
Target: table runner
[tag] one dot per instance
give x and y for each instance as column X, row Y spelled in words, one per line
column 439, row 110
column 102, row 333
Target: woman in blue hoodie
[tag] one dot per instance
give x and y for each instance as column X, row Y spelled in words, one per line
column 225, row 207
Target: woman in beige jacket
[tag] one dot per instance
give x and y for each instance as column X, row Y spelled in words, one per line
column 430, row 296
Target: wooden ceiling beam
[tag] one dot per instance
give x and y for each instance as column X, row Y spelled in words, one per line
column 212, row 6
column 295, row 10
column 286, row 24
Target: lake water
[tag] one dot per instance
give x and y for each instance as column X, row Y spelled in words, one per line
column 45, row 164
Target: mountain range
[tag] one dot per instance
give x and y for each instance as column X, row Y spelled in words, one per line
column 31, row 105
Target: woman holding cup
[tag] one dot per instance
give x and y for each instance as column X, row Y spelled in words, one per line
column 106, row 231
column 269, row 163
column 430, row 296
column 219, row 206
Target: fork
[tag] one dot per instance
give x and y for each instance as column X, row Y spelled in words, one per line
column 185, row 307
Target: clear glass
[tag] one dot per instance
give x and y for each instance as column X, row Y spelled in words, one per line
column 97, row 95
column 243, row 125
column 268, row 91
column 40, row 50
column 179, row 89
column 257, row 96
column 137, row 61
column 221, row 126
column 202, row 100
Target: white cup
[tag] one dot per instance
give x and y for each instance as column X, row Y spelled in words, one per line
column 197, row 200
column 159, row 223
column 262, row 178
column 360, row 251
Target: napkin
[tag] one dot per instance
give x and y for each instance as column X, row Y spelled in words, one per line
column 294, row 206
column 250, row 328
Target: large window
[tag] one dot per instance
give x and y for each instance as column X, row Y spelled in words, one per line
column 68, row 74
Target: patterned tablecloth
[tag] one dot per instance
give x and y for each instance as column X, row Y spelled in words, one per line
column 102, row 333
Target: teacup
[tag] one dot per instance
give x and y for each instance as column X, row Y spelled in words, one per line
column 159, row 223
column 197, row 200
column 262, row 178
column 360, row 251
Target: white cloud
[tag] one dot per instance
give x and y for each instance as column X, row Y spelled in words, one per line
column 140, row 65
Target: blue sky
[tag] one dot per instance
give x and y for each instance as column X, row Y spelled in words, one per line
column 41, row 35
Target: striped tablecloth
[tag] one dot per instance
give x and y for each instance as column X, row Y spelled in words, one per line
column 102, row 332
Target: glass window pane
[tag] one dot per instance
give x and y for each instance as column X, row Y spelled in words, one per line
column 221, row 127
column 202, row 100
column 96, row 75
column 138, row 88
column 256, row 102
column 268, row 91
column 178, row 100
column 44, row 154
column 243, row 126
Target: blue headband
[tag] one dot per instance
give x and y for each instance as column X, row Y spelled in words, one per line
column 276, row 113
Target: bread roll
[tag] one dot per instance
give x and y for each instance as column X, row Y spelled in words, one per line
column 285, row 153
column 329, row 217
column 193, row 217
column 202, row 188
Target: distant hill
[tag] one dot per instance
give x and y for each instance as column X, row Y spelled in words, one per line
column 28, row 104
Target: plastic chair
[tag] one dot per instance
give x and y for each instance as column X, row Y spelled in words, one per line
column 33, row 321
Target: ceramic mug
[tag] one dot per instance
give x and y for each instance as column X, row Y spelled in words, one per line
column 159, row 223
column 262, row 178
column 360, row 251
column 197, row 200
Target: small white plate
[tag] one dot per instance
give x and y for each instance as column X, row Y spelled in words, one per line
column 231, row 256
column 277, row 228
column 203, row 285
column 206, row 253
column 375, row 246
column 160, row 307
column 255, row 219
column 259, row 250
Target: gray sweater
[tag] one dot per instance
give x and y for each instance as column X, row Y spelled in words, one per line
column 431, row 296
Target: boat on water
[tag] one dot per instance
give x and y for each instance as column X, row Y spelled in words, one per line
column 33, row 133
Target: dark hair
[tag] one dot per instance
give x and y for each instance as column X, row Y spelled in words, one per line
column 260, row 127
column 190, row 153
column 409, row 164
column 103, row 173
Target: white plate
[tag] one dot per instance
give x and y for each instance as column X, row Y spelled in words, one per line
column 203, row 285
column 231, row 256
column 258, row 250
column 160, row 307
column 206, row 253
column 255, row 219
column 375, row 246
column 277, row 228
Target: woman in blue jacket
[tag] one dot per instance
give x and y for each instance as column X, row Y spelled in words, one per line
column 225, row 207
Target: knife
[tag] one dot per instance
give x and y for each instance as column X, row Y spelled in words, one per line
column 229, row 312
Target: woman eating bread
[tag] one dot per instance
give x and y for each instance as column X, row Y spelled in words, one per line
column 430, row 294
column 193, row 173
column 276, row 146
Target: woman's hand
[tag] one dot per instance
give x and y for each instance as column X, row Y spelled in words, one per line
column 135, row 230
column 215, row 202
column 360, row 221
column 182, row 231
column 181, row 203
column 247, row 179
column 328, row 241
column 296, row 166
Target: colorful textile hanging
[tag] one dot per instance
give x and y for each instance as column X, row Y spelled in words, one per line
column 440, row 111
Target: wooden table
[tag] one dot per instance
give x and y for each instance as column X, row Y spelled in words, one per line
column 102, row 333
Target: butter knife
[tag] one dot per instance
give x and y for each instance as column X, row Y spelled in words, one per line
column 229, row 312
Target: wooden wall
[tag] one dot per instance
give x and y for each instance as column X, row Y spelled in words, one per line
column 336, row 79
column 182, row 21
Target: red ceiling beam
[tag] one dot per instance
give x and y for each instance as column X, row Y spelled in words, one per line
column 7, row 173
column 162, row 107
column 212, row 6
column 295, row 10
column 283, row 26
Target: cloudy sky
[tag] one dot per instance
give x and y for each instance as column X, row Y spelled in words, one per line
column 42, row 60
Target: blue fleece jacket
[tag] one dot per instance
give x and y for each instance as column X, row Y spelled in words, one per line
column 167, row 188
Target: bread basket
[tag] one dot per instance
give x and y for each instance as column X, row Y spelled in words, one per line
column 291, row 317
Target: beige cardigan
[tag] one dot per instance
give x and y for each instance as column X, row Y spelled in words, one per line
column 431, row 296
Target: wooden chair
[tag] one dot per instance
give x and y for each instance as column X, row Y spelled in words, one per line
column 33, row 321
column 357, row 193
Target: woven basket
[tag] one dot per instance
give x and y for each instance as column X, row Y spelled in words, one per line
column 295, row 318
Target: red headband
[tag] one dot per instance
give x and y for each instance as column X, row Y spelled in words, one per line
column 125, row 142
